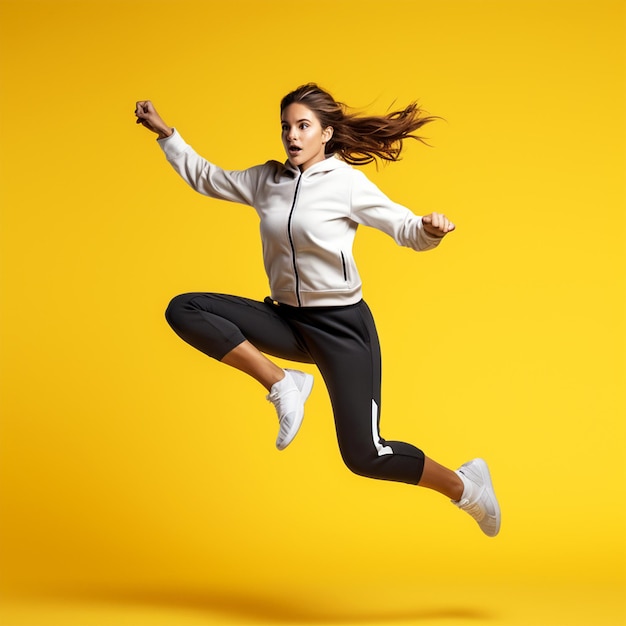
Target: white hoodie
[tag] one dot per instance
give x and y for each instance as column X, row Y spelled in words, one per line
column 308, row 220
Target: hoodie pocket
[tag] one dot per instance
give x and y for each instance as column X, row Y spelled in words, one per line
column 344, row 269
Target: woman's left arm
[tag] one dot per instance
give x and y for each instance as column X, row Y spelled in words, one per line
column 371, row 207
column 437, row 224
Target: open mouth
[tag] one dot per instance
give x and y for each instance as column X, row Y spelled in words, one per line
column 294, row 149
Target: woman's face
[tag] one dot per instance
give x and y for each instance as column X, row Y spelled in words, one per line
column 303, row 136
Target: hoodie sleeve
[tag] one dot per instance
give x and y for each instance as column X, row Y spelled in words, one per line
column 208, row 179
column 371, row 207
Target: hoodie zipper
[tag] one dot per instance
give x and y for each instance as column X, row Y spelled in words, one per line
column 293, row 248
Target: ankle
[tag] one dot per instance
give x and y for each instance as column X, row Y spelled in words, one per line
column 275, row 378
column 461, row 489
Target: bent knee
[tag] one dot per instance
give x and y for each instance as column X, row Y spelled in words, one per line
column 360, row 464
column 174, row 313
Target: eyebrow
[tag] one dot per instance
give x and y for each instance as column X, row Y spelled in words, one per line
column 304, row 119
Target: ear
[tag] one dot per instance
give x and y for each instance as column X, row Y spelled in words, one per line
column 327, row 134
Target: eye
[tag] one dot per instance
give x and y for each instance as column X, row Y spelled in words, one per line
column 304, row 125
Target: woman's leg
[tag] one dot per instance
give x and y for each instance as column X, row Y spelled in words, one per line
column 345, row 346
column 217, row 323
column 234, row 330
column 344, row 343
column 441, row 479
column 249, row 360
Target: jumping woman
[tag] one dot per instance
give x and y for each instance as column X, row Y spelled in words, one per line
column 309, row 209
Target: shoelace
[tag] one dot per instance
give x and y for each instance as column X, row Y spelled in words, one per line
column 275, row 398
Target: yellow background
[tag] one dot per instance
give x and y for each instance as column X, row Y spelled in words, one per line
column 139, row 480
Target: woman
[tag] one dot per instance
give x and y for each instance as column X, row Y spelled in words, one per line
column 309, row 209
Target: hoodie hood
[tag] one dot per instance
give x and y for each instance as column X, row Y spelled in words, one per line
column 330, row 163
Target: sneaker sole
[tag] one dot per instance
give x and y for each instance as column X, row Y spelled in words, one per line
column 486, row 476
column 304, row 393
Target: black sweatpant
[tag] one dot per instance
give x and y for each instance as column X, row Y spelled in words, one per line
column 342, row 342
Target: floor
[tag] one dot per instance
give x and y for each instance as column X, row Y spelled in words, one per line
column 520, row 605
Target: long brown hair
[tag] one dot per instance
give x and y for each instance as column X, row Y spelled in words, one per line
column 360, row 139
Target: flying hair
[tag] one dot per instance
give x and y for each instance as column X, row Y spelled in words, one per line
column 360, row 139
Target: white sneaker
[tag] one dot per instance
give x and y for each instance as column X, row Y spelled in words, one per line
column 288, row 397
column 479, row 499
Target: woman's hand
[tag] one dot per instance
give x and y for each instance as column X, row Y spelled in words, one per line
column 147, row 116
column 437, row 224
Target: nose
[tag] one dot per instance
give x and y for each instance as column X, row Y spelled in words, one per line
column 292, row 133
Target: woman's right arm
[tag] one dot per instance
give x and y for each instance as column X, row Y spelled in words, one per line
column 148, row 117
column 203, row 176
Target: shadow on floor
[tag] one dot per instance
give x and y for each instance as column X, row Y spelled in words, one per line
column 304, row 607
